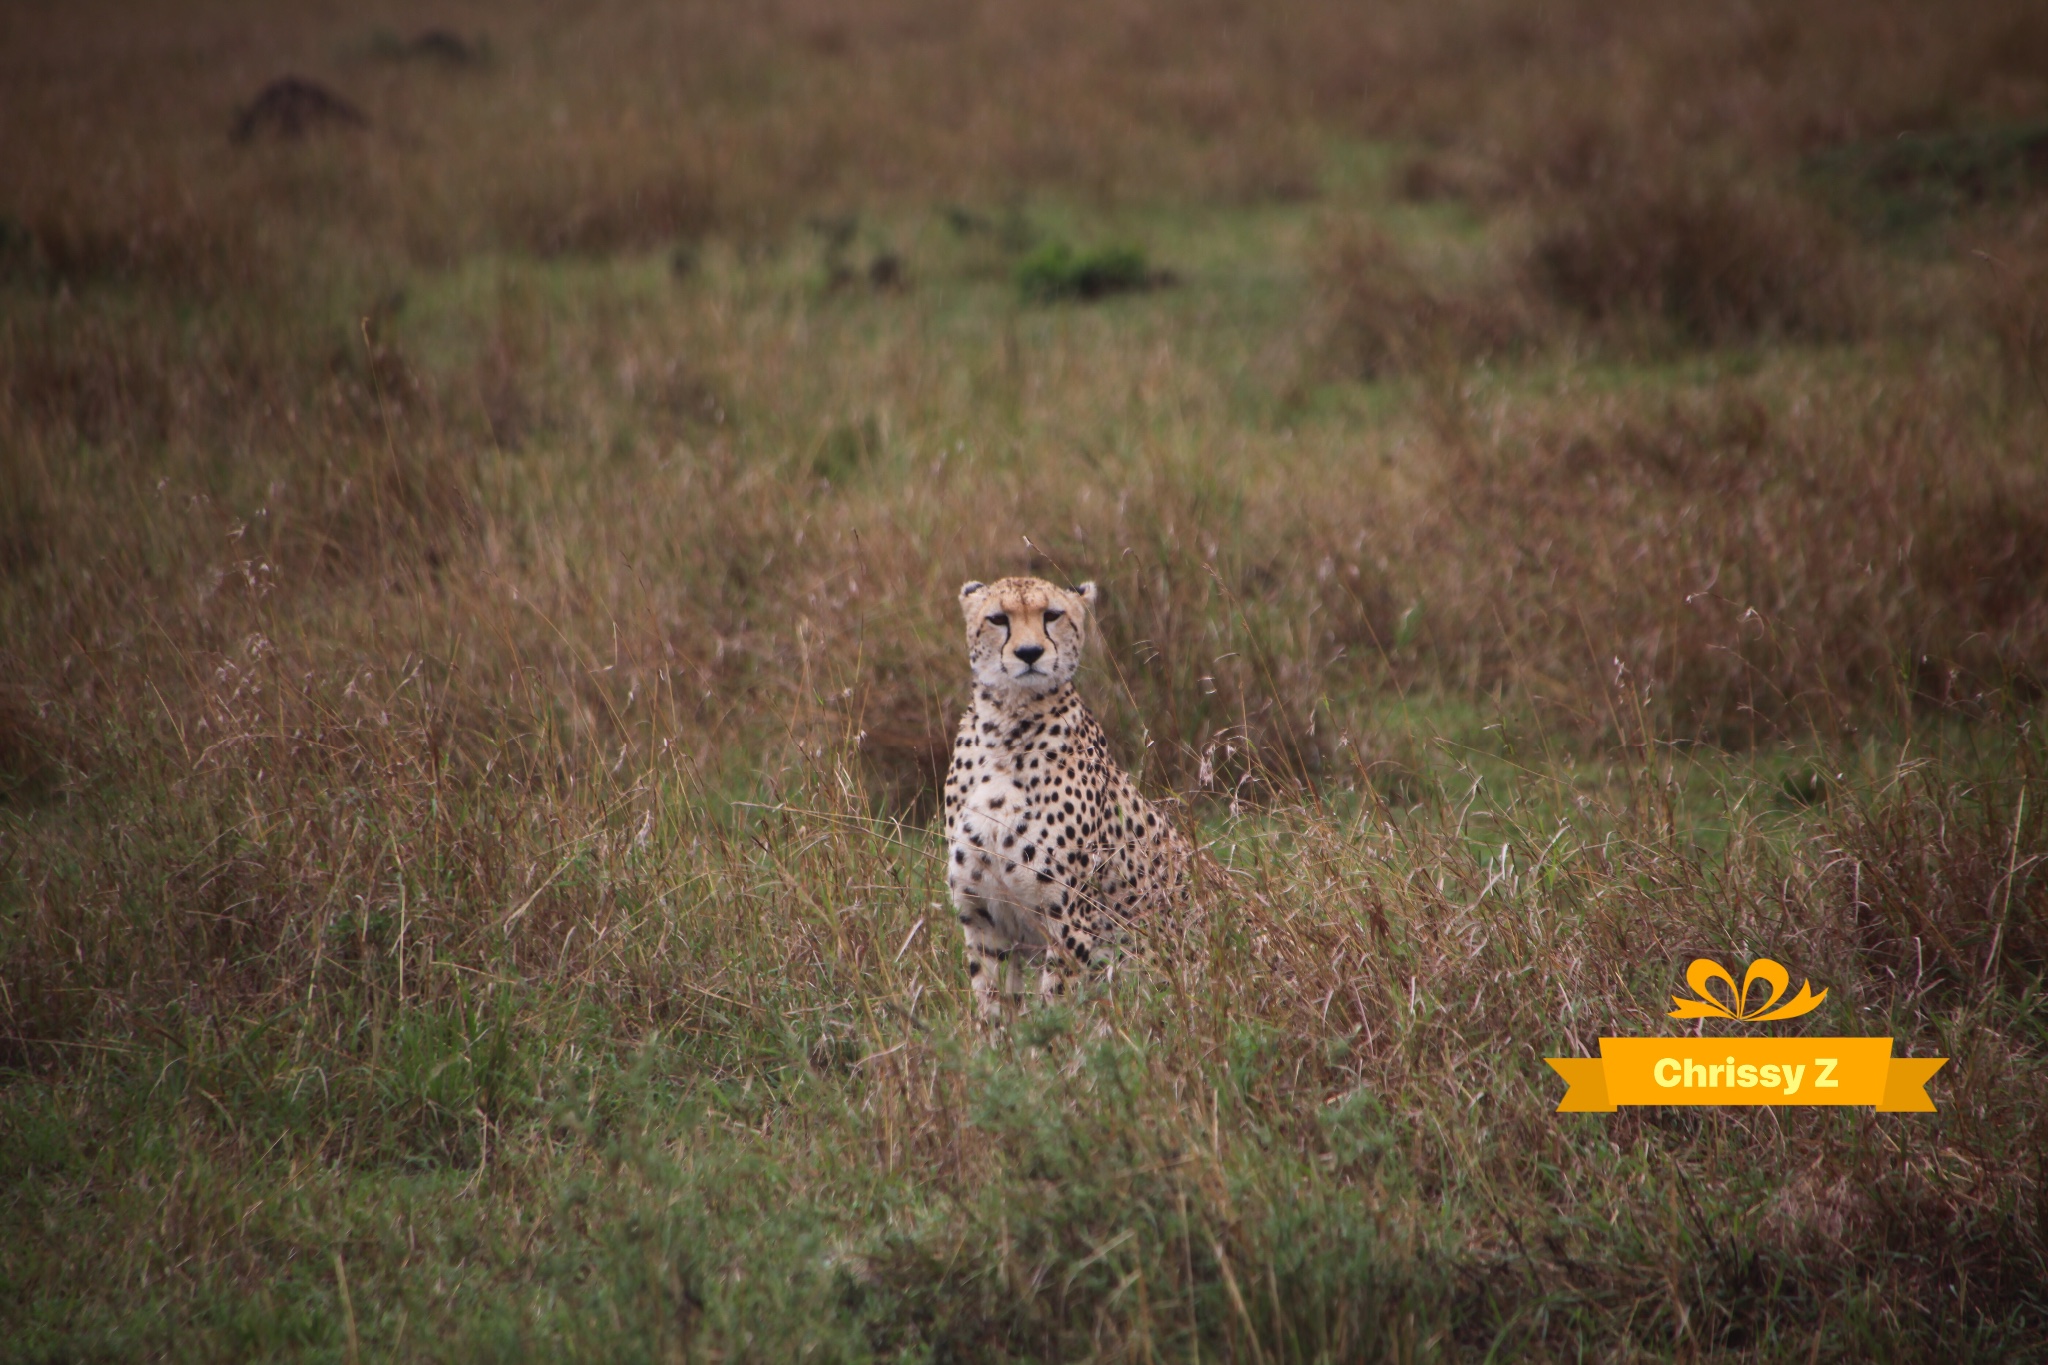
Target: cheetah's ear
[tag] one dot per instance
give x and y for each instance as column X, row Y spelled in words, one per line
column 970, row 588
column 1086, row 592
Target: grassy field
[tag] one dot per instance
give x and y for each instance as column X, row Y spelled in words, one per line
column 477, row 645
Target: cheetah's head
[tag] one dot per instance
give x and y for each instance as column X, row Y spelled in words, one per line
column 1024, row 634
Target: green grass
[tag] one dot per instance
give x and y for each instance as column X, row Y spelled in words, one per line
column 757, row 1121
column 468, row 886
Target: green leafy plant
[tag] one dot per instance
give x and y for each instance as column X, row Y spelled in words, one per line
column 1057, row 271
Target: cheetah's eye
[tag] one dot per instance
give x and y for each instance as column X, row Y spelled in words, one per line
column 999, row 619
column 1053, row 614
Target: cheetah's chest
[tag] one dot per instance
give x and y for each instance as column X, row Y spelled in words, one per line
column 1018, row 816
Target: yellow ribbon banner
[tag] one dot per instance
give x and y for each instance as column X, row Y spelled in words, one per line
column 1746, row 1071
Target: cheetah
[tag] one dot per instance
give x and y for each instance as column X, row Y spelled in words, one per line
column 1051, row 853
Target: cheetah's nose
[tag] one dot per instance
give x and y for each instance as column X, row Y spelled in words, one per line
column 1030, row 653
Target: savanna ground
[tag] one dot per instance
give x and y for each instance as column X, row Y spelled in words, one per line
column 477, row 633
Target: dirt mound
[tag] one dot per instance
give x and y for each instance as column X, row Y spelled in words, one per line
column 292, row 107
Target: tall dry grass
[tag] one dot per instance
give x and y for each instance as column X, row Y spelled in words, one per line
column 475, row 655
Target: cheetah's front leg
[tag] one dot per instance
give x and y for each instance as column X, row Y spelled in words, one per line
column 988, row 957
column 986, row 969
column 1069, row 955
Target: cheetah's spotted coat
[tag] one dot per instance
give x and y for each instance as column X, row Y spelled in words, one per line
column 1051, row 852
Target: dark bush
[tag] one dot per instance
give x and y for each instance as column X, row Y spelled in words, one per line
column 1715, row 262
column 1898, row 184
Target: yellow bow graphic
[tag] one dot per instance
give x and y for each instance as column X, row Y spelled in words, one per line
column 1705, row 969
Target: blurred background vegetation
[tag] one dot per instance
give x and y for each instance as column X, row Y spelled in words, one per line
column 481, row 498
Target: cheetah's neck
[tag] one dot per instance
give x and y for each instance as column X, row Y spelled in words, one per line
column 1011, row 706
